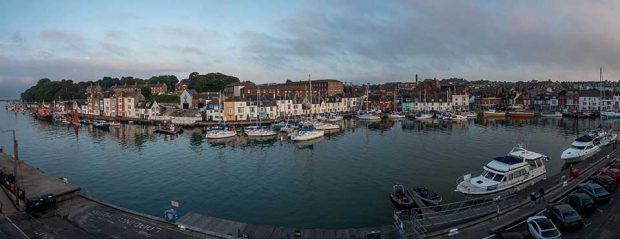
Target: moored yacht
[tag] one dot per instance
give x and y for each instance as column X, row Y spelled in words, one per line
column 222, row 131
column 334, row 117
column 306, row 133
column 517, row 168
column 423, row 116
column 259, row 131
column 494, row 114
column 582, row 148
column 326, row 126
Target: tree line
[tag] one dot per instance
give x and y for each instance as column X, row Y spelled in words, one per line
column 48, row 90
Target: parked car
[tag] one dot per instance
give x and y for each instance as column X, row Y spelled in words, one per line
column 582, row 203
column 607, row 182
column 595, row 191
column 565, row 216
column 541, row 227
column 612, row 172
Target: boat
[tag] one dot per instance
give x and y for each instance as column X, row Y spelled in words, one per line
column 470, row 115
column 280, row 125
column 610, row 115
column 494, row 114
column 582, row 148
column 326, row 126
column 401, row 198
column 551, row 114
column 367, row 115
column 453, row 117
column 423, row 116
column 288, row 129
column 221, row 134
column 395, row 114
column 605, row 137
column 427, row 196
column 115, row 124
column 521, row 114
column 334, row 118
column 101, row 125
column 306, row 133
column 517, row 168
column 259, row 131
column 169, row 129
column 43, row 113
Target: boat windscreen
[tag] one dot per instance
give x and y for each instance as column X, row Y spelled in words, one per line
column 585, row 138
column 509, row 159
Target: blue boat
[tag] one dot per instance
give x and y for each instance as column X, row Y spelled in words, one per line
column 101, row 125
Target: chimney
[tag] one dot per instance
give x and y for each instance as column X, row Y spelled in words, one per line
column 416, row 79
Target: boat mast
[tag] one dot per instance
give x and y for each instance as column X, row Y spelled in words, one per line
column 258, row 105
column 311, row 104
column 600, row 90
column 395, row 92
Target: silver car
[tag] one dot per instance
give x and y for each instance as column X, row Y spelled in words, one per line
column 542, row 228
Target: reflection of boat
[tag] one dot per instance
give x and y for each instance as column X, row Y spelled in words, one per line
column 401, row 198
column 454, row 117
column 582, row 148
column 493, row 114
column 551, row 114
column 368, row 116
column 306, row 133
column 427, row 196
column 521, row 114
column 221, row 141
column 169, row 129
column 101, row 125
column 518, row 167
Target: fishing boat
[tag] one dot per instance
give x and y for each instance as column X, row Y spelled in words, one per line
column 334, row 117
column 427, row 196
column 551, row 114
column 582, row 148
column 401, row 198
column 101, row 125
column 306, row 133
column 517, row 168
column 43, row 113
column 423, row 116
column 494, row 114
column 169, row 129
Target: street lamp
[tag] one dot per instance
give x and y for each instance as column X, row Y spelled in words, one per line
column 16, row 158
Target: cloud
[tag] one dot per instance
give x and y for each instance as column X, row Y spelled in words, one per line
column 187, row 50
column 115, row 49
column 115, row 35
column 64, row 40
column 474, row 39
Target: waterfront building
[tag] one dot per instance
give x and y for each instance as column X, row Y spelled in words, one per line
column 460, row 102
column 589, row 100
column 236, row 89
column 487, row 103
column 116, row 89
column 546, row 102
column 126, row 104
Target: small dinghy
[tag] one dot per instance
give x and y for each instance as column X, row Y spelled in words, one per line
column 427, row 196
column 401, row 198
column 169, row 129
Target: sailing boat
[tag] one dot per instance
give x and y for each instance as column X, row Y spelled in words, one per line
column 424, row 115
column 367, row 115
column 606, row 114
column 221, row 131
column 395, row 114
column 258, row 130
column 308, row 132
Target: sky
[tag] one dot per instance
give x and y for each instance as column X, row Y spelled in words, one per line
column 272, row 41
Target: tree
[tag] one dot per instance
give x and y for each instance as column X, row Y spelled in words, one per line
column 210, row 82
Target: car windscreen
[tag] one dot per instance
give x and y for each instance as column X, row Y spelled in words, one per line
column 550, row 233
column 544, row 224
column 598, row 190
column 570, row 215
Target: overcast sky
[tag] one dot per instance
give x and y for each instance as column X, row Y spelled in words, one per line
column 271, row 41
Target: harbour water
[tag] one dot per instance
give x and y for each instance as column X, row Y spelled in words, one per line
column 342, row 180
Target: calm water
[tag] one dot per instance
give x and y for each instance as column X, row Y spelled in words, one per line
column 340, row 181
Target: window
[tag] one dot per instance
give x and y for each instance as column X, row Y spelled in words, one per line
column 230, row 110
column 240, row 110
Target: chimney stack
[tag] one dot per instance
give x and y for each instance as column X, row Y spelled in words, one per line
column 416, row 79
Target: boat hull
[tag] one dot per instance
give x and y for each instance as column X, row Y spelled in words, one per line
column 494, row 114
column 402, row 205
column 522, row 115
column 489, row 192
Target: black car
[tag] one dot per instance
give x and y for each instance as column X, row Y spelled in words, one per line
column 582, row 203
column 607, row 182
column 595, row 191
column 565, row 216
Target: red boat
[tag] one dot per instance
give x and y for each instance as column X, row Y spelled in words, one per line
column 521, row 115
column 43, row 113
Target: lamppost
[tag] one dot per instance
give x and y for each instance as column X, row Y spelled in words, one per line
column 16, row 158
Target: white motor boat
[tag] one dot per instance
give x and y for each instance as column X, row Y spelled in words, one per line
column 115, row 124
column 470, row 115
column 326, row 126
column 334, row 118
column 581, row 149
column 258, row 131
column 605, row 138
column 304, row 134
column 517, row 168
column 368, row 116
column 423, row 116
column 221, row 134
